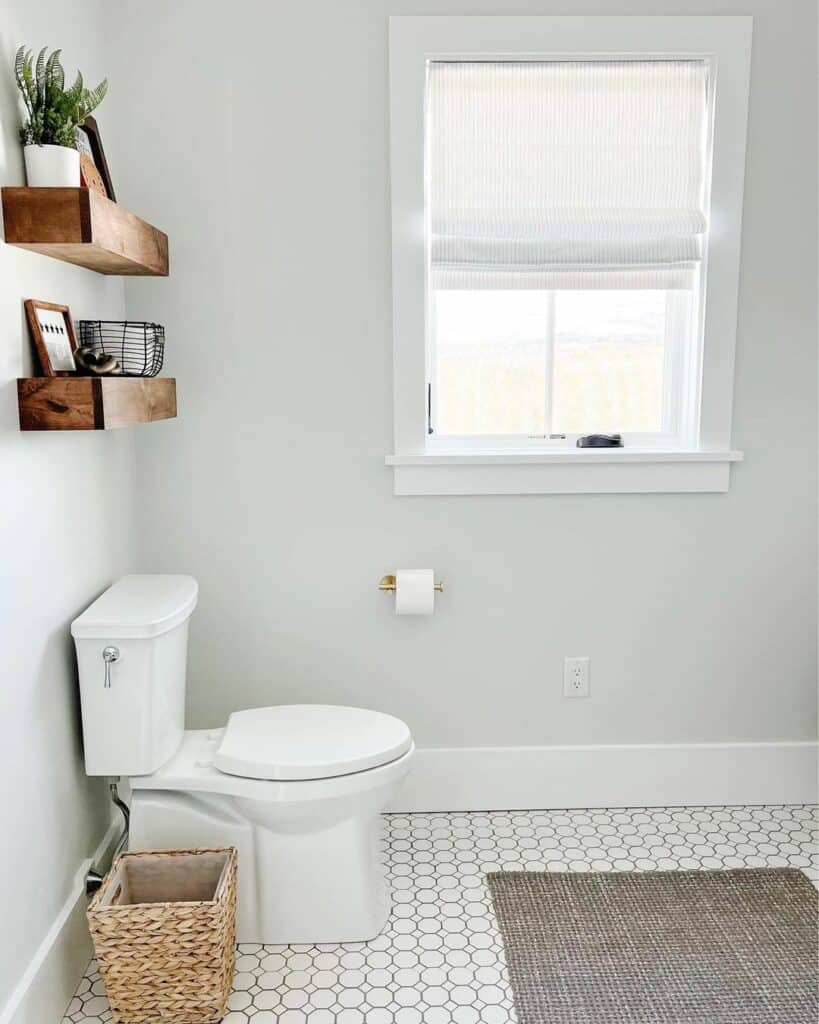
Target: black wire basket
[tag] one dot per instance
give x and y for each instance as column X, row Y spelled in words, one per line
column 138, row 347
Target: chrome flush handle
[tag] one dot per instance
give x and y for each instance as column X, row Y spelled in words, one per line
column 109, row 656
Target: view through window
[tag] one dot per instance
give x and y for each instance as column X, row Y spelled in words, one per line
column 541, row 363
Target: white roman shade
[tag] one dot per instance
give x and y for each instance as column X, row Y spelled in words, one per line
column 558, row 174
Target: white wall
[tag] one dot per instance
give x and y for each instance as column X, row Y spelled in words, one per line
column 66, row 530
column 256, row 135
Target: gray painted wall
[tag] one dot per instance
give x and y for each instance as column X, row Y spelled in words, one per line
column 258, row 138
column 66, row 531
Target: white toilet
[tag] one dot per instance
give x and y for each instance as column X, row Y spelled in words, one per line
column 298, row 789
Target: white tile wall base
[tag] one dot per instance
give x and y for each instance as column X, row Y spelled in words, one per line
column 58, row 966
column 440, row 960
column 644, row 775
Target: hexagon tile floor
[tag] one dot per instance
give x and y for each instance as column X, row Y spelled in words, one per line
column 440, row 960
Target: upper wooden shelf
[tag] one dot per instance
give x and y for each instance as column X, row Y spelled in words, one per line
column 83, row 227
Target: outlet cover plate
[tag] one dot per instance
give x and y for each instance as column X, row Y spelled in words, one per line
column 576, row 677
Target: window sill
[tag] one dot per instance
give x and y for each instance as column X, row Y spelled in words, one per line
column 569, row 471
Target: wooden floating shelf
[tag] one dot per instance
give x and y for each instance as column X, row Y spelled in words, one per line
column 80, row 226
column 94, row 403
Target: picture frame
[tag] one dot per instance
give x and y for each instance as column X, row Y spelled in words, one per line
column 89, row 143
column 52, row 332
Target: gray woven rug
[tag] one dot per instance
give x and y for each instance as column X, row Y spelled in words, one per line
column 670, row 947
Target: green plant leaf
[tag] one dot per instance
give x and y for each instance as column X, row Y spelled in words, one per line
column 19, row 62
column 40, row 79
column 54, row 71
column 91, row 99
column 53, row 113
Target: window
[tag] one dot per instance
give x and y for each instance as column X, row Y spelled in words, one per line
column 565, row 231
column 555, row 234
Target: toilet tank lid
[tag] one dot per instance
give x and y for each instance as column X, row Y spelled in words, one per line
column 138, row 607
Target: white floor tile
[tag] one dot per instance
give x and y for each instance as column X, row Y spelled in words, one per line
column 440, row 959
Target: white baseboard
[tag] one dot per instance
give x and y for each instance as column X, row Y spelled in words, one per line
column 56, row 969
column 652, row 775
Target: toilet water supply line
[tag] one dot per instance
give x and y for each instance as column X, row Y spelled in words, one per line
column 95, row 876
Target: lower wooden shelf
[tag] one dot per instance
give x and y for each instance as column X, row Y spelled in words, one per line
column 93, row 403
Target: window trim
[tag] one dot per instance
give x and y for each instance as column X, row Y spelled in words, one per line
column 723, row 40
column 563, row 471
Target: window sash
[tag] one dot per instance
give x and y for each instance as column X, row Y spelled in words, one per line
column 513, row 443
column 678, row 400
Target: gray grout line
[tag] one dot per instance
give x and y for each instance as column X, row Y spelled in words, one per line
column 440, row 960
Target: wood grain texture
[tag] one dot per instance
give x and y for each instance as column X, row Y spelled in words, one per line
column 82, row 227
column 127, row 400
column 57, row 403
column 94, row 403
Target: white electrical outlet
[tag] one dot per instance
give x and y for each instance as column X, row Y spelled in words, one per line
column 576, row 677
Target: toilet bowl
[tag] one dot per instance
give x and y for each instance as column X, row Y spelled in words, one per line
column 309, row 858
column 297, row 789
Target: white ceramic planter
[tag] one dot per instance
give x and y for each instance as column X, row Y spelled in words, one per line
column 52, row 166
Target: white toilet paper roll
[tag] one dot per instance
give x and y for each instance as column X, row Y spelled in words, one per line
column 414, row 592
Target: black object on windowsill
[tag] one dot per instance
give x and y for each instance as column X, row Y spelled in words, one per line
column 600, row 441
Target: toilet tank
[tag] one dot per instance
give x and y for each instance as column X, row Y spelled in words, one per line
column 132, row 645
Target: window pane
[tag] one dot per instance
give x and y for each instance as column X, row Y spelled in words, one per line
column 490, row 357
column 608, row 361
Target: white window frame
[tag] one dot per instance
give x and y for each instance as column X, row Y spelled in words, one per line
column 703, row 462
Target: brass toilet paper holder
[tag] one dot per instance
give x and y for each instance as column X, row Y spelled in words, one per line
column 387, row 583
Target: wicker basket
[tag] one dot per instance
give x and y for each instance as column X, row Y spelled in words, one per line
column 164, row 931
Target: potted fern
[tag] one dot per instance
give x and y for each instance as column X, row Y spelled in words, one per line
column 53, row 115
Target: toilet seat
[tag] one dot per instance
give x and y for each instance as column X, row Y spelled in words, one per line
column 295, row 742
column 192, row 770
